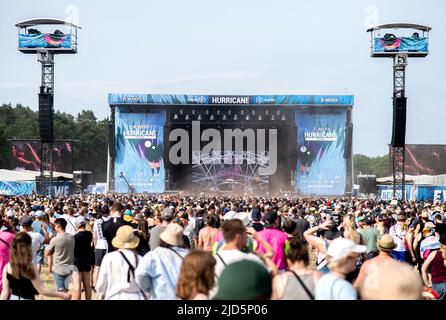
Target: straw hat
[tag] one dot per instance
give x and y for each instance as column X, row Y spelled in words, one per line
column 125, row 238
column 386, row 243
column 173, row 235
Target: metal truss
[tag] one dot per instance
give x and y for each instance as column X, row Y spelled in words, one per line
column 398, row 153
column 47, row 60
column 46, row 167
column 211, row 174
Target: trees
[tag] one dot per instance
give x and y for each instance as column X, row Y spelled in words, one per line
column 378, row 166
column 89, row 149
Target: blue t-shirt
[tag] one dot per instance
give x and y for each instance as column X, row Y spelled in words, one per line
column 330, row 287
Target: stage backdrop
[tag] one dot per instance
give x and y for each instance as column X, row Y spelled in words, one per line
column 139, row 151
column 321, row 166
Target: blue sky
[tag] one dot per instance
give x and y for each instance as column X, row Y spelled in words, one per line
column 235, row 47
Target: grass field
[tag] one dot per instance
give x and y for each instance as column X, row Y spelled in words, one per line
column 48, row 280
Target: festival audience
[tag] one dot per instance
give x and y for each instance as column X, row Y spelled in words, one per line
column 294, row 235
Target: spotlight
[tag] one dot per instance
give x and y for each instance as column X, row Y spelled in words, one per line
column 175, row 117
column 218, row 112
column 260, row 117
column 193, row 112
column 278, row 112
column 212, row 118
column 266, row 112
column 187, row 117
column 283, row 118
column 273, row 118
column 235, row 117
column 229, row 112
column 253, row 112
column 248, row 117
column 199, row 117
column 181, row 111
column 207, row 112
column 242, row 112
column 224, row 118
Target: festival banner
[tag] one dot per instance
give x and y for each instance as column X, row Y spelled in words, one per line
column 9, row 188
column 139, row 164
column 321, row 166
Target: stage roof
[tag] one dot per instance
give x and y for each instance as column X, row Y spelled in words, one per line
column 400, row 26
column 184, row 99
column 42, row 21
column 27, row 175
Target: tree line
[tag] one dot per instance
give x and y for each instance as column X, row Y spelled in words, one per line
column 89, row 149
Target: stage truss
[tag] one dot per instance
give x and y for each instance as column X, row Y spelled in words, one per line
column 210, row 173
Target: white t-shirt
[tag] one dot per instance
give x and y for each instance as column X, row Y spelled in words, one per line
column 101, row 242
column 71, row 224
column 398, row 237
column 37, row 241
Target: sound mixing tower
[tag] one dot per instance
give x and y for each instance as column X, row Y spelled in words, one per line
column 399, row 47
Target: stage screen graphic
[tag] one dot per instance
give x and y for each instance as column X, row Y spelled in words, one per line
column 139, row 161
column 321, row 166
column 26, row 155
column 425, row 159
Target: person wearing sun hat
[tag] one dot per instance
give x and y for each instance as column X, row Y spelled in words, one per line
column 160, row 268
column 116, row 280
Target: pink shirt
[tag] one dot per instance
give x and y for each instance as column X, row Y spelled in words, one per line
column 276, row 239
column 4, row 251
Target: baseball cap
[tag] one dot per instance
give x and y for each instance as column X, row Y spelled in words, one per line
column 243, row 216
column 255, row 214
column 39, row 213
column 27, row 222
column 340, row 248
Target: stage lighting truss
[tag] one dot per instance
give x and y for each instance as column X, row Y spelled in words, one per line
column 241, row 174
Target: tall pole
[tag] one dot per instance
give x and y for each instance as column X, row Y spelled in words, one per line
column 398, row 153
column 46, row 58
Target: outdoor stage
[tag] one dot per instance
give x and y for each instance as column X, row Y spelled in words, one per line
column 237, row 144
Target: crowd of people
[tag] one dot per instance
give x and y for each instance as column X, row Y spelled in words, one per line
column 143, row 247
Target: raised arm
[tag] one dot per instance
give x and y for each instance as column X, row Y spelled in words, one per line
column 316, row 241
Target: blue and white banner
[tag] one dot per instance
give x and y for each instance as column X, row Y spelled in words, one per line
column 321, row 166
column 278, row 100
column 139, row 163
column 414, row 193
column 9, row 188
